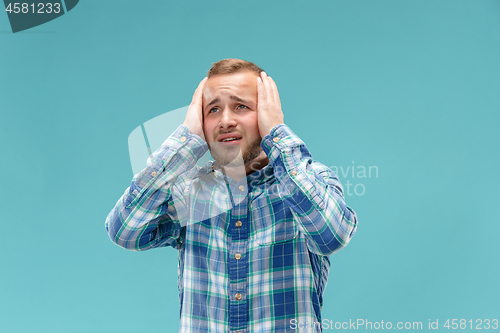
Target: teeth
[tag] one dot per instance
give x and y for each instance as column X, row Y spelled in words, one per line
column 229, row 139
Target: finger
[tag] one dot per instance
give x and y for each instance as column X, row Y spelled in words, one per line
column 198, row 93
column 275, row 92
column 261, row 93
column 267, row 87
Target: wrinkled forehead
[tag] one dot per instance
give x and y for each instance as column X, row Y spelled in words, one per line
column 242, row 84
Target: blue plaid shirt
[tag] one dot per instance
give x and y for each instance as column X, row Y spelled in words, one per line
column 253, row 254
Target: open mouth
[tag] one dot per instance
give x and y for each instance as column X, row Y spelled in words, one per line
column 229, row 139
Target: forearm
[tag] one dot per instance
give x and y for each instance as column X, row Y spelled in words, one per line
column 145, row 217
column 312, row 191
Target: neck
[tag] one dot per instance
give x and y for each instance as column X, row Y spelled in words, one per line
column 239, row 171
column 235, row 172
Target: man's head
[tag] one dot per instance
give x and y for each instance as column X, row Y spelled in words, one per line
column 230, row 121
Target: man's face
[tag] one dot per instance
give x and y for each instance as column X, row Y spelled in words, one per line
column 230, row 117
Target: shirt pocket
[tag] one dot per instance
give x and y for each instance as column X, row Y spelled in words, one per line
column 274, row 223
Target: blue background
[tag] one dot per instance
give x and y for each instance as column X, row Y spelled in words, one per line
column 411, row 87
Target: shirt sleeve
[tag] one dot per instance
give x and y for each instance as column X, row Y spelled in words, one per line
column 148, row 214
column 311, row 190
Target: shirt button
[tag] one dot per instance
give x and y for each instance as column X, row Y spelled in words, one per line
column 237, row 296
column 183, row 139
column 276, row 139
column 153, row 174
column 242, row 188
column 239, row 224
column 294, row 173
column 237, row 256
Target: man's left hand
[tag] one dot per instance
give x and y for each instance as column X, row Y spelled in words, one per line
column 269, row 112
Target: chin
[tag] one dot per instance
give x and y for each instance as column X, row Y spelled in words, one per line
column 227, row 158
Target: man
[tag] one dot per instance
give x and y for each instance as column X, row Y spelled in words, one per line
column 254, row 229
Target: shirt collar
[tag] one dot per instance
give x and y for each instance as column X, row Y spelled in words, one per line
column 255, row 178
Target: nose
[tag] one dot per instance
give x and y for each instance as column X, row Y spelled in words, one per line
column 227, row 119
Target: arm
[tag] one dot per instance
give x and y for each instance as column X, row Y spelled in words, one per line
column 310, row 189
column 145, row 216
column 150, row 212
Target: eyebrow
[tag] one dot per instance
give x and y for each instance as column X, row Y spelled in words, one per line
column 234, row 98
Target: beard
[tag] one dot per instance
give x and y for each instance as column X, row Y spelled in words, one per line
column 233, row 156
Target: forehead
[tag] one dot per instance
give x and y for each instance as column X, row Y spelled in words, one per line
column 241, row 84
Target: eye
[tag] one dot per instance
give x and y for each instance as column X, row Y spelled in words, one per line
column 241, row 107
column 212, row 110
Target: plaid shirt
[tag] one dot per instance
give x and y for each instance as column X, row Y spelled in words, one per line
column 253, row 254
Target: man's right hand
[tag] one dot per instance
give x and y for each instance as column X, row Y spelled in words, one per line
column 194, row 115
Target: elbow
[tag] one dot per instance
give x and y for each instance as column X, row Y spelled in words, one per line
column 119, row 234
column 128, row 244
column 348, row 223
column 328, row 246
column 133, row 239
column 334, row 237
